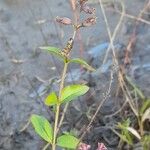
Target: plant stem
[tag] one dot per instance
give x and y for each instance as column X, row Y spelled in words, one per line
column 58, row 106
column 66, row 105
column 140, row 126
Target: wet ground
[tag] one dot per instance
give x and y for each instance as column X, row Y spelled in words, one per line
column 27, row 74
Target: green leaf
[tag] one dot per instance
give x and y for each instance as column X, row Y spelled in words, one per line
column 146, row 142
column 125, row 134
column 54, row 50
column 82, row 62
column 73, row 91
column 67, row 141
column 146, row 104
column 42, row 127
column 123, row 137
column 51, row 99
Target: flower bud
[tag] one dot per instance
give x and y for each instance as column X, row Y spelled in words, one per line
column 87, row 9
column 64, row 20
column 89, row 22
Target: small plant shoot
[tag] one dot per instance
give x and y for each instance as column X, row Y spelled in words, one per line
column 66, row 94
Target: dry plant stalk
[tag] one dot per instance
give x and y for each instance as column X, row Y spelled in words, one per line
column 111, row 46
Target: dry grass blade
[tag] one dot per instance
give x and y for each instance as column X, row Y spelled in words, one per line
column 127, row 93
column 134, row 132
column 146, row 115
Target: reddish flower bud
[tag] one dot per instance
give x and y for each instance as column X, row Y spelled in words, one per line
column 87, row 9
column 89, row 22
column 101, row 146
column 64, row 20
column 84, row 146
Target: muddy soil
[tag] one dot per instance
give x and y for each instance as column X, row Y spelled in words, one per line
column 27, row 74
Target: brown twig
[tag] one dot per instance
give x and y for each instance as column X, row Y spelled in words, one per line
column 132, row 40
column 134, row 17
column 76, row 15
column 118, row 111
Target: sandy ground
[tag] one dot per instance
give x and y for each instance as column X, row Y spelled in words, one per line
column 23, row 65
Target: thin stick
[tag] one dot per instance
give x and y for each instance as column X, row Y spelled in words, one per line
column 132, row 40
column 62, row 117
column 113, row 36
column 135, row 18
column 25, row 126
column 46, row 146
column 118, row 111
column 126, row 93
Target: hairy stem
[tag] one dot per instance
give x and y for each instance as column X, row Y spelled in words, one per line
column 58, row 106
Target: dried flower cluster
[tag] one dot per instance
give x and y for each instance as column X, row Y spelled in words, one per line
column 85, row 23
column 91, row 20
column 88, row 10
